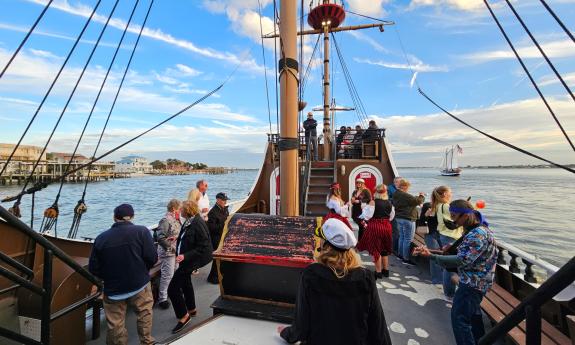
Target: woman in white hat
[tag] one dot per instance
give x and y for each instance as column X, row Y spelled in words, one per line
column 337, row 299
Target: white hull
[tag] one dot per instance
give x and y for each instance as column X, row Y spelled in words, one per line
column 450, row 173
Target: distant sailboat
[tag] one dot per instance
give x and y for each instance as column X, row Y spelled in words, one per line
column 450, row 165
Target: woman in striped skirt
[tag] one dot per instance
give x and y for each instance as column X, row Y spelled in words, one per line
column 377, row 240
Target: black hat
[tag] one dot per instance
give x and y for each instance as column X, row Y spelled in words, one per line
column 222, row 196
column 124, row 211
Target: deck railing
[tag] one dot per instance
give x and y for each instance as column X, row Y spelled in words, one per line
column 530, row 309
column 45, row 290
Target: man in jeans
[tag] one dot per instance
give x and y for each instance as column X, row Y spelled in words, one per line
column 122, row 257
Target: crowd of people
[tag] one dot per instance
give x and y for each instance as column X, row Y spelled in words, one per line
column 461, row 250
column 349, row 141
column 122, row 257
column 460, row 247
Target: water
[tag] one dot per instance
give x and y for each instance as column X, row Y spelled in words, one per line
column 529, row 208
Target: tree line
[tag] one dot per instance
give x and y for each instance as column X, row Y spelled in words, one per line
column 173, row 163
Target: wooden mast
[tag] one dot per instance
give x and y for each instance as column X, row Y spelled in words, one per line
column 289, row 141
column 326, row 96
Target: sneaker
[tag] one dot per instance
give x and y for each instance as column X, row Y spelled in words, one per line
column 181, row 325
column 164, row 304
column 385, row 273
column 192, row 313
column 378, row 275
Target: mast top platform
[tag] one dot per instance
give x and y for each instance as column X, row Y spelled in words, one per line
column 326, row 14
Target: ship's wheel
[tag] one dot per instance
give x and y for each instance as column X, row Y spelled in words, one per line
column 326, row 14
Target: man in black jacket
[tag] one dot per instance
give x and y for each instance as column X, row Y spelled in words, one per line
column 310, row 126
column 216, row 221
column 122, row 257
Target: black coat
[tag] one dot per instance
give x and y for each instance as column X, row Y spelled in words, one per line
column 334, row 311
column 216, row 221
column 310, row 127
column 194, row 244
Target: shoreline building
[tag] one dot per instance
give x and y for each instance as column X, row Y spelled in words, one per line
column 134, row 164
column 23, row 159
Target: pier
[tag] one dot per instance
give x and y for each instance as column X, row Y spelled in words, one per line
column 208, row 171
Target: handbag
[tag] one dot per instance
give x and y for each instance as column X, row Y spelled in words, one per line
column 422, row 230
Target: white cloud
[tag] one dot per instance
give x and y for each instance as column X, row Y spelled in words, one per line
column 463, row 5
column 156, row 34
column 417, row 67
column 187, row 70
column 31, row 75
column 372, row 8
column 551, row 79
column 418, row 140
column 553, row 49
column 43, row 54
column 10, row 27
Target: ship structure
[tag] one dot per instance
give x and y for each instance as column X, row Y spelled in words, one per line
column 48, row 297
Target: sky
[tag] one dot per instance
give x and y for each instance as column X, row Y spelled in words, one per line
column 451, row 49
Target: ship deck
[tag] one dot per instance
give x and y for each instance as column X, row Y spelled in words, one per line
column 415, row 310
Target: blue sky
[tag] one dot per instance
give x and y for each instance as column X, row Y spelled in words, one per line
column 190, row 47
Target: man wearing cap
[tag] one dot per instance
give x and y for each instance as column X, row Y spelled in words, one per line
column 122, row 257
column 337, row 301
column 360, row 195
column 310, row 126
column 216, row 221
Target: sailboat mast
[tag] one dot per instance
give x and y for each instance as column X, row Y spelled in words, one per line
column 289, row 141
column 326, row 95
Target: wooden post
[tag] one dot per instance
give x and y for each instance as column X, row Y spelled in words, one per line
column 289, row 172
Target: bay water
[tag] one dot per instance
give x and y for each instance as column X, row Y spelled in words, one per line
column 531, row 209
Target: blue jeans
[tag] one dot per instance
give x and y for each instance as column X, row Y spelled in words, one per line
column 432, row 242
column 406, row 232
column 395, row 236
column 448, row 285
column 466, row 319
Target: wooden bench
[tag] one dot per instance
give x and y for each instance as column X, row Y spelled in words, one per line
column 498, row 303
column 418, row 239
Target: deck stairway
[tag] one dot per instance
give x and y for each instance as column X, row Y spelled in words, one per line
column 321, row 176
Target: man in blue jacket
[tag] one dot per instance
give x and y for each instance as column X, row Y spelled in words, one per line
column 122, row 257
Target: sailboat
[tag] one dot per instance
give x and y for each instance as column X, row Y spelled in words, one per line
column 47, row 291
column 450, row 162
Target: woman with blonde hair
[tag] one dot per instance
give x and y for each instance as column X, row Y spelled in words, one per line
column 440, row 199
column 337, row 299
column 193, row 250
column 377, row 238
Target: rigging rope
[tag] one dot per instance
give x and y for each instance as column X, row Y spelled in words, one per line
column 494, row 138
column 558, row 21
column 541, row 50
column 89, row 163
column 49, row 89
column 25, row 39
column 388, row 22
column 529, row 75
column 305, row 76
column 357, row 102
column 265, row 65
column 81, row 207
column 53, row 210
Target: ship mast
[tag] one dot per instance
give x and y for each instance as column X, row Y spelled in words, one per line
column 288, row 142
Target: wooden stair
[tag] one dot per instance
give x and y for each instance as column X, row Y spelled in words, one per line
column 320, row 178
